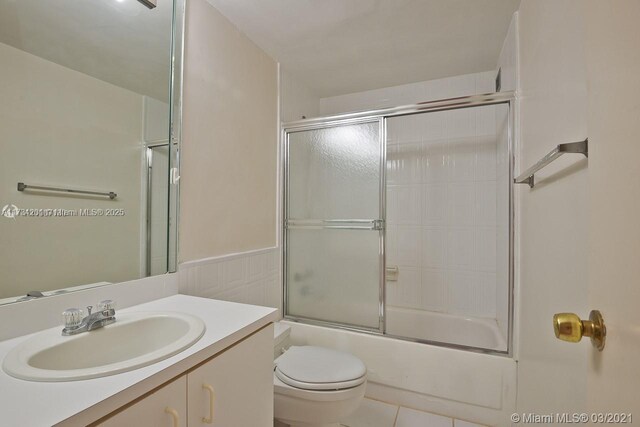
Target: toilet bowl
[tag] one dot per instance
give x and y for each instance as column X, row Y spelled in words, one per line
column 315, row 386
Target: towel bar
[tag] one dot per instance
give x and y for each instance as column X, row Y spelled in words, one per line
column 22, row 186
column 581, row 147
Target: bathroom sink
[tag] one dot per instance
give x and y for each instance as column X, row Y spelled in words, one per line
column 134, row 340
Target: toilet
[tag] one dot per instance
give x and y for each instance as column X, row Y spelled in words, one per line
column 314, row 386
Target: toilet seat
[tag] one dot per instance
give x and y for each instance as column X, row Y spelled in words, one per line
column 317, row 387
column 319, row 369
column 281, row 389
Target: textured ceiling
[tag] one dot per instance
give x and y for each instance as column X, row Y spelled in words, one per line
column 119, row 41
column 343, row 46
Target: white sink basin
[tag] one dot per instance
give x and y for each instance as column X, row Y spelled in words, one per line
column 134, row 340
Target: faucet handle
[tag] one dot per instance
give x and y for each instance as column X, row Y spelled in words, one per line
column 72, row 317
column 107, row 304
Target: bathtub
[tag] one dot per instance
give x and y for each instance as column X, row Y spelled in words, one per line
column 444, row 328
column 453, row 382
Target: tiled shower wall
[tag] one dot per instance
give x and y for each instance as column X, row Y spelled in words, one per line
column 251, row 277
column 441, row 211
column 442, row 197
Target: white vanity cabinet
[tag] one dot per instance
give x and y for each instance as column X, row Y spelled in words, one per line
column 236, row 387
column 166, row 407
column 232, row 389
column 232, row 363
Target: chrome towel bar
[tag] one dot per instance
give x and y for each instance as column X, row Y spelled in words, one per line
column 527, row 177
column 22, row 186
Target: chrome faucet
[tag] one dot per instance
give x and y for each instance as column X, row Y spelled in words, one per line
column 75, row 322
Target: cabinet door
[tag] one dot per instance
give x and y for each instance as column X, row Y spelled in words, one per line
column 235, row 389
column 166, row 407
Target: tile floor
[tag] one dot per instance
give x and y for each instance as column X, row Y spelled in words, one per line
column 373, row 413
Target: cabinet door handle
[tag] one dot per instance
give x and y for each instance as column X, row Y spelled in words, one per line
column 212, row 395
column 174, row 416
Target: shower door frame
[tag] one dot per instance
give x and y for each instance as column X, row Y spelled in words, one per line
column 338, row 224
column 149, row 200
column 381, row 115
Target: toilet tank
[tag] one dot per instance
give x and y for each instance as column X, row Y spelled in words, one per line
column 281, row 340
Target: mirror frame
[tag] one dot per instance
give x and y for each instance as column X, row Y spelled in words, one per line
column 175, row 132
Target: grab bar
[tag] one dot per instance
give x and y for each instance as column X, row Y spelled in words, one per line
column 581, row 147
column 341, row 224
column 22, row 186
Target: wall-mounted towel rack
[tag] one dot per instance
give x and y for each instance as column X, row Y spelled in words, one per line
column 22, row 186
column 580, row 147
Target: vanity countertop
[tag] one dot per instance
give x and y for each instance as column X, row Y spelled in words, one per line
column 76, row 403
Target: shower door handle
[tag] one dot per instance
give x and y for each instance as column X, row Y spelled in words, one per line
column 340, row 224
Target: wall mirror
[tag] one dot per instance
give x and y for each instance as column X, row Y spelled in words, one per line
column 89, row 122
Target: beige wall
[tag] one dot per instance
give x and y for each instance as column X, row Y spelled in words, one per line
column 296, row 99
column 64, row 128
column 229, row 156
column 554, row 215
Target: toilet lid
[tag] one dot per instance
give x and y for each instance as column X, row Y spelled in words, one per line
column 319, row 368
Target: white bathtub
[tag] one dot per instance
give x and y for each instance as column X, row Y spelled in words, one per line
column 444, row 328
column 457, row 383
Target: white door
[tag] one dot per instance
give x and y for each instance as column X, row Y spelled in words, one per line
column 613, row 70
column 579, row 230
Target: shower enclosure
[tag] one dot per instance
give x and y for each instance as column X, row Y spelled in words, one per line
column 399, row 222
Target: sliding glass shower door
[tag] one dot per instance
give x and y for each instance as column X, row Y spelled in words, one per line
column 400, row 221
column 334, row 223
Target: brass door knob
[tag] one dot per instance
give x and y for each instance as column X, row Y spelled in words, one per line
column 569, row 327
